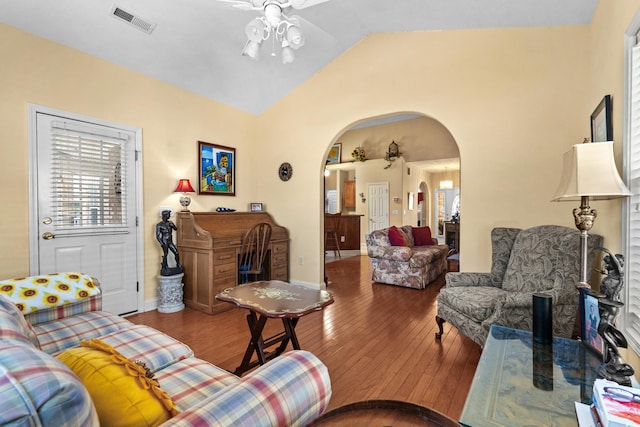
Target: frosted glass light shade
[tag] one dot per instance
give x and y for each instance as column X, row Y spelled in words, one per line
column 287, row 55
column 255, row 30
column 295, row 37
column 252, row 50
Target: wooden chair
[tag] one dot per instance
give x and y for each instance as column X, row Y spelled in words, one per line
column 331, row 226
column 253, row 252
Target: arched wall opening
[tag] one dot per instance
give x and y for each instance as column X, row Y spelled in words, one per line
column 358, row 158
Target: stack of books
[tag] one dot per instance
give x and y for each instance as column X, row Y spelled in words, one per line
column 613, row 406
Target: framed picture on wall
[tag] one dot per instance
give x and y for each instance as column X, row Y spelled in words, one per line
column 217, row 169
column 590, row 319
column 601, row 125
column 335, row 154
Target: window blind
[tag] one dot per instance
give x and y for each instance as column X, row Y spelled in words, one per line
column 87, row 177
column 631, row 316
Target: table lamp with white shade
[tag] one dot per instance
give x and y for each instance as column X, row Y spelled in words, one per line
column 589, row 172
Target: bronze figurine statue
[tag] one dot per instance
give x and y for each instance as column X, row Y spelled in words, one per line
column 613, row 282
column 613, row 368
column 609, row 304
column 164, row 235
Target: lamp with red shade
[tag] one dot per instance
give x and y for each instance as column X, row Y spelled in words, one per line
column 184, row 187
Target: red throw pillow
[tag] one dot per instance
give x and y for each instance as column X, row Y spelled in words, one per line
column 422, row 236
column 396, row 237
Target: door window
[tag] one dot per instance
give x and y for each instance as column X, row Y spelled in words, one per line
column 87, row 176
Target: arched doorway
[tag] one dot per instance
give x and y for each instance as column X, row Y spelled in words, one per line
column 428, row 152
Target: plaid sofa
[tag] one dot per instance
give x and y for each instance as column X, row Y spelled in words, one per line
column 39, row 390
column 409, row 266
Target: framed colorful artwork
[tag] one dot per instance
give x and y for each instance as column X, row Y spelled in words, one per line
column 335, row 154
column 217, row 169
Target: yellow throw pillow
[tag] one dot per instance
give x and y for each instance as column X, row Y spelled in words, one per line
column 123, row 392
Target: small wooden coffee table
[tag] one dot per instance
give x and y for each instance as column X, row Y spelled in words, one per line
column 273, row 299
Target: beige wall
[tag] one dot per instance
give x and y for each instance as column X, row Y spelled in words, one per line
column 513, row 100
column 418, row 139
column 606, row 64
column 172, row 120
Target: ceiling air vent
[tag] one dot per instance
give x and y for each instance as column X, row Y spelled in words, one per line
column 133, row 20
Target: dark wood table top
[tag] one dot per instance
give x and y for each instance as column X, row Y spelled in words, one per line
column 383, row 413
column 274, row 298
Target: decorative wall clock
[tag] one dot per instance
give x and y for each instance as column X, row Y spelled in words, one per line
column 285, row 171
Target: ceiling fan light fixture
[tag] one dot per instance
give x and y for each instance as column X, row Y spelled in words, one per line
column 273, row 14
column 274, row 24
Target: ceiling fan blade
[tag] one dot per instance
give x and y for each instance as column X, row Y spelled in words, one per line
column 311, row 30
column 242, row 5
column 301, row 4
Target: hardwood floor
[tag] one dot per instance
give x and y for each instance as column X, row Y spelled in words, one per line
column 378, row 341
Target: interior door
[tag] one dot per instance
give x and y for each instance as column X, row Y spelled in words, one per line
column 440, row 207
column 86, row 204
column 378, row 206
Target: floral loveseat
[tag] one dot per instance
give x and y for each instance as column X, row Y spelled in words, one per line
column 406, row 256
column 74, row 365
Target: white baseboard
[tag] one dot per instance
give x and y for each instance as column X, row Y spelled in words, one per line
column 310, row 285
column 152, row 304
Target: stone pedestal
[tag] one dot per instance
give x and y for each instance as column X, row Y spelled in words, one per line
column 170, row 293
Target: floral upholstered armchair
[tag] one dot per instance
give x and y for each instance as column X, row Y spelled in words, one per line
column 543, row 259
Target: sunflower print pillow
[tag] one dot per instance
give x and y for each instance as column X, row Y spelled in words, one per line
column 45, row 291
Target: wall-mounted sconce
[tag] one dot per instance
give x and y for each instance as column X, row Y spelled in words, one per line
column 362, row 197
column 396, row 199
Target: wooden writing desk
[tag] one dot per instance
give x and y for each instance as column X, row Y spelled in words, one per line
column 209, row 244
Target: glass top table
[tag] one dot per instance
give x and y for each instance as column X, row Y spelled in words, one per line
column 522, row 383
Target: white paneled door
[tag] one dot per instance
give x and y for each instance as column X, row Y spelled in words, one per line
column 86, row 205
column 378, row 206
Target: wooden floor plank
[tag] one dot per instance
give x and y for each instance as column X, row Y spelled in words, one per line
column 377, row 340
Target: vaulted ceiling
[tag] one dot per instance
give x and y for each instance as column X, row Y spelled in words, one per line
column 196, row 44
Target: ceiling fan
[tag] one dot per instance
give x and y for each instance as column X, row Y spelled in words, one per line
column 273, row 22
